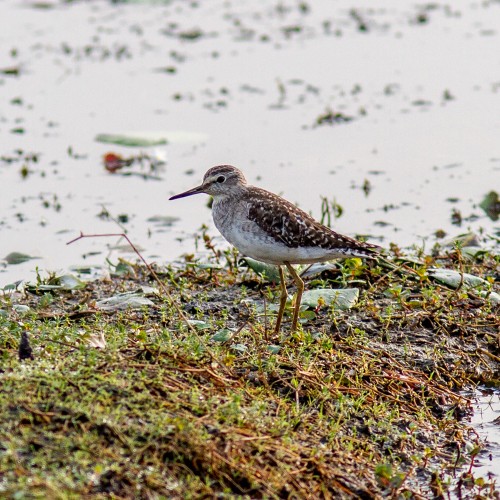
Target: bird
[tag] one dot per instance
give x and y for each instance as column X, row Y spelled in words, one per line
column 270, row 229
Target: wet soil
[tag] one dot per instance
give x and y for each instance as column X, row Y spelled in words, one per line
column 359, row 403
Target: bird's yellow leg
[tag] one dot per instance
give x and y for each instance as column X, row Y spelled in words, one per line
column 283, row 297
column 298, row 297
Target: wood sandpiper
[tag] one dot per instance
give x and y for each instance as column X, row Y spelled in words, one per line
column 268, row 228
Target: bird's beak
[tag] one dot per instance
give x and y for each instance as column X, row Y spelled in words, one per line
column 190, row 192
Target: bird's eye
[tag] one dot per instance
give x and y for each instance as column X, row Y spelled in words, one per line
column 221, row 178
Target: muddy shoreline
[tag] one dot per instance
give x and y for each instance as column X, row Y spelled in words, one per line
column 362, row 402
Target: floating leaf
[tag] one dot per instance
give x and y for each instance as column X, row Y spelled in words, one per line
column 464, row 240
column 453, row 278
column 192, row 34
column 18, row 258
column 262, row 269
column 11, row 71
column 222, row 335
column 340, row 299
column 83, row 269
column 127, row 300
column 163, row 220
column 131, row 140
column 147, row 139
column 491, row 205
column 91, row 273
column 11, row 287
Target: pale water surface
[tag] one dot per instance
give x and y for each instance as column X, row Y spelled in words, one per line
column 245, row 84
column 486, row 422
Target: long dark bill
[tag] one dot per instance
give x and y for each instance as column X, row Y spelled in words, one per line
column 190, row 192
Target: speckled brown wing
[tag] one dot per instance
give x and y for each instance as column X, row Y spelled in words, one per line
column 293, row 227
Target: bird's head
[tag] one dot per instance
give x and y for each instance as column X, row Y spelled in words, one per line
column 218, row 181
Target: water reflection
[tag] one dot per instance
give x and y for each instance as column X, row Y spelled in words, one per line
column 486, row 422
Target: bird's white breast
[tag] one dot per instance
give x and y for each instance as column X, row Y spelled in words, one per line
column 252, row 241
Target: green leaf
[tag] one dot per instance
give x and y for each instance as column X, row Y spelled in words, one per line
column 318, row 268
column 198, row 323
column 71, row 282
column 136, row 140
column 21, row 308
column 18, row 258
column 340, row 299
column 472, row 252
column 11, row 286
column 64, row 282
column 493, row 297
column 454, row 278
column 44, row 287
column 383, row 470
column 91, row 273
column 150, row 291
column 241, row 348
column 274, row 349
column 307, row 315
column 463, row 240
column 491, row 205
column 222, row 335
column 204, row 265
column 262, row 269
column 46, row 300
column 163, row 220
column 123, row 268
column 148, row 139
column 127, row 300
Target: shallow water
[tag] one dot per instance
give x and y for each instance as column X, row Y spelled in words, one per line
column 486, row 422
column 246, row 82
